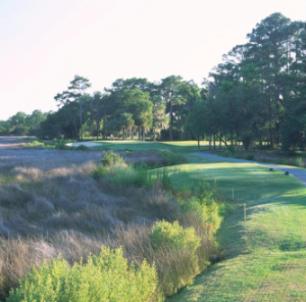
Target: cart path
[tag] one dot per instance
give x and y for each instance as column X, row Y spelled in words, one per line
column 299, row 173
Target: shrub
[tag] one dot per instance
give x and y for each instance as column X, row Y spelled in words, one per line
column 204, row 214
column 207, row 212
column 176, row 255
column 106, row 277
column 128, row 176
column 173, row 236
column 123, row 177
column 112, row 159
column 43, row 284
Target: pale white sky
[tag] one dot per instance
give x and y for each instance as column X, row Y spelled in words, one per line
column 44, row 43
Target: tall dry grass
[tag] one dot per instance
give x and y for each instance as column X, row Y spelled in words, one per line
column 66, row 213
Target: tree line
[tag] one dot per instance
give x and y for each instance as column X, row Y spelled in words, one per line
column 130, row 108
column 255, row 97
column 23, row 124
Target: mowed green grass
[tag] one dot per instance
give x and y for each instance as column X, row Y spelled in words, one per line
column 265, row 256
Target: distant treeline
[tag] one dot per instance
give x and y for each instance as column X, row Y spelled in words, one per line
column 257, row 95
column 23, row 124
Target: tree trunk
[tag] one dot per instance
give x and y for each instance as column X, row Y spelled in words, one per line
column 81, row 119
column 97, row 129
column 171, row 122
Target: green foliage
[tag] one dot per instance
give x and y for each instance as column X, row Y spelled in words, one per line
column 116, row 173
column 124, row 177
column 22, row 123
column 271, row 242
column 234, row 107
column 177, row 250
column 113, row 159
column 106, row 277
column 207, row 212
column 42, row 284
column 173, row 236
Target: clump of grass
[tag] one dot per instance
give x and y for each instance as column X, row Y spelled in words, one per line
column 105, row 277
column 115, row 172
column 112, row 159
column 122, row 177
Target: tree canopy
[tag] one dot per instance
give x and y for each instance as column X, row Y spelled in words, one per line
column 254, row 97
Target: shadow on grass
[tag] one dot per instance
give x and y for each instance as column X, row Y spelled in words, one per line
column 148, row 146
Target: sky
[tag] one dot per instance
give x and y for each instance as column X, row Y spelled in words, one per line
column 44, row 43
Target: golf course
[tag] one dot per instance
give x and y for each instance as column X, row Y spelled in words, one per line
column 264, row 254
column 153, row 151
column 262, row 237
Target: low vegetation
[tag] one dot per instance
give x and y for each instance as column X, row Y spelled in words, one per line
column 176, row 251
column 105, row 277
column 68, row 213
column 154, row 209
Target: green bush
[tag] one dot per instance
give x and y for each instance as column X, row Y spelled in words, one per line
column 113, row 159
column 131, row 176
column 176, row 255
column 123, row 177
column 207, row 212
column 204, row 214
column 43, row 284
column 173, row 236
column 106, row 277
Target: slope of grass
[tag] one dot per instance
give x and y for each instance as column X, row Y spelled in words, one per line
column 265, row 255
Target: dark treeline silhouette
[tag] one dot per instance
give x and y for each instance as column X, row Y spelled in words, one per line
column 23, row 124
column 256, row 96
